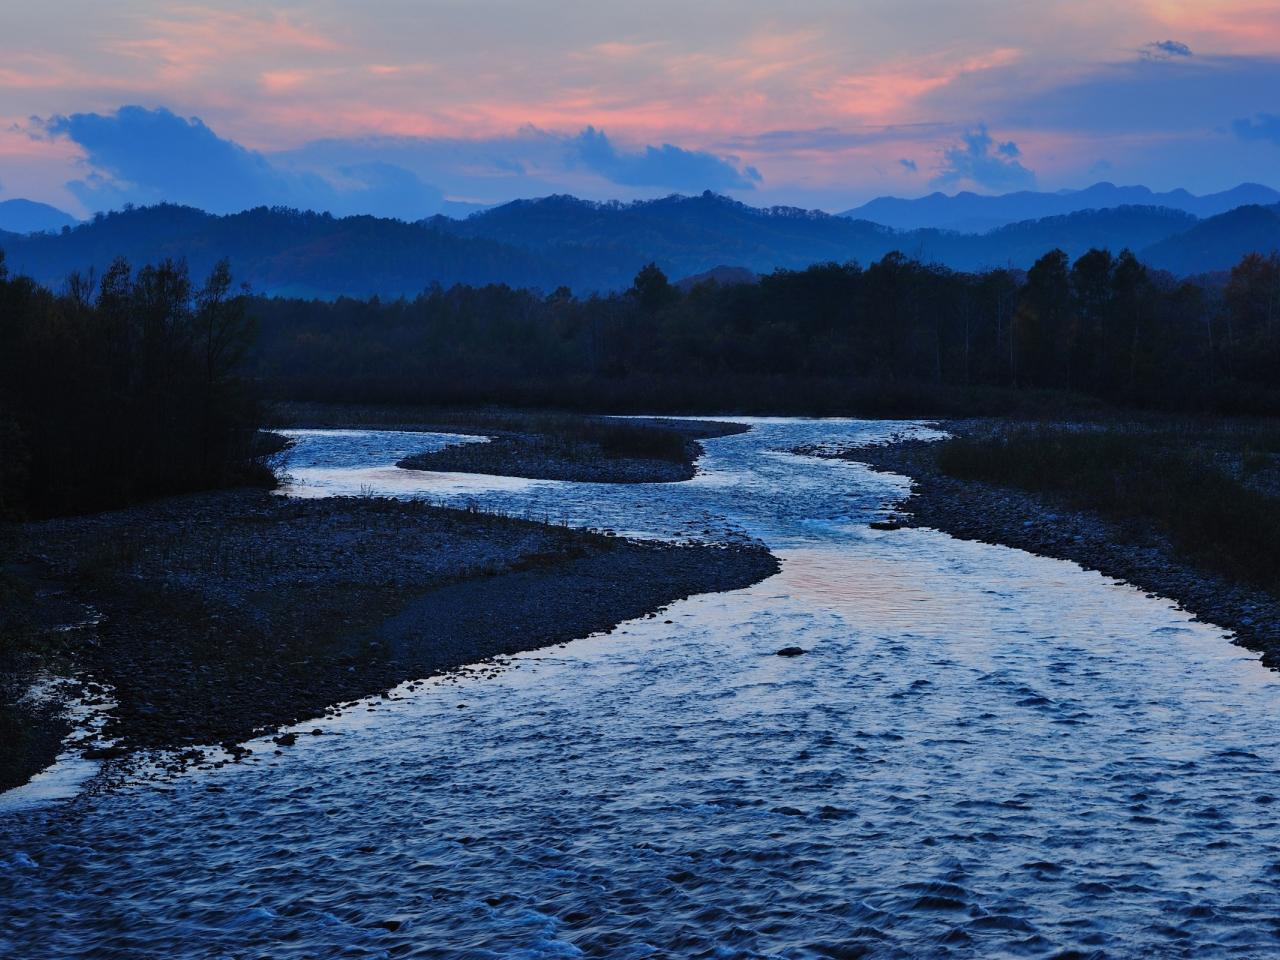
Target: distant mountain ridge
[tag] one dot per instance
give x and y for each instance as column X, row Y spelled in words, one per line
column 279, row 251
column 1218, row 243
column 975, row 213
column 588, row 246
column 29, row 216
column 721, row 276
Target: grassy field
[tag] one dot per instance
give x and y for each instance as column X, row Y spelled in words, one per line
column 1212, row 489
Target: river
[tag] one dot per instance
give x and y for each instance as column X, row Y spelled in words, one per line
column 981, row 754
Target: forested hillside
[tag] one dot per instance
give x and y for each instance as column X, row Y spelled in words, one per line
column 598, row 247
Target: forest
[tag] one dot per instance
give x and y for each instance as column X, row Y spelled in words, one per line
column 141, row 383
column 123, row 387
column 897, row 337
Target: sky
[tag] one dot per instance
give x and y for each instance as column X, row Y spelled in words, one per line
column 404, row 108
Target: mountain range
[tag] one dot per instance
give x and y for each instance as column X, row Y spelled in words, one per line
column 975, row 213
column 589, row 246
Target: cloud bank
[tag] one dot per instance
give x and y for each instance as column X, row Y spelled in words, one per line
column 664, row 166
column 395, row 107
column 141, row 155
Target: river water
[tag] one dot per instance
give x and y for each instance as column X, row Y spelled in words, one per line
column 982, row 754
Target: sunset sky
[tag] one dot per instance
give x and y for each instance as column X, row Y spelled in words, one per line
column 393, row 107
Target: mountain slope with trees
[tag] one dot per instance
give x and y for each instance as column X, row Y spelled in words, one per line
column 598, row 247
column 1218, row 243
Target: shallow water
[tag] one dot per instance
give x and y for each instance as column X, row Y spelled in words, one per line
column 983, row 754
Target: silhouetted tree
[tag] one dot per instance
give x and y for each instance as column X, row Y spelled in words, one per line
column 652, row 290
column 123, row 392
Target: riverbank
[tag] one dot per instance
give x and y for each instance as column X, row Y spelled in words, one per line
column 1127, row 548
column 227, row 614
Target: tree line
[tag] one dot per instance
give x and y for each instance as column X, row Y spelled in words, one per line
column 122, row 387
column 896, row 336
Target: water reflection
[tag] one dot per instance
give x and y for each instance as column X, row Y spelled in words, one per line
column 982, row 753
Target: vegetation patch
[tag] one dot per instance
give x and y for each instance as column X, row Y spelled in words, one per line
column 1211, row 490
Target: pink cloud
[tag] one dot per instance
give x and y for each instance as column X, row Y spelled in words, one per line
column 273, row 78
column 888, row 93
column 1220, row 26
column 186, row 42
column 42, row 71
column 618, row 50
column 16, row 141
column 400, row 69
column 297, row 78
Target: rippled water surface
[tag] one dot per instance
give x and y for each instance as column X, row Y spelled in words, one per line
column 982, row 754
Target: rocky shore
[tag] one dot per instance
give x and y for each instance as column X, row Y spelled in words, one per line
column 218, row 616
column 1043, row 525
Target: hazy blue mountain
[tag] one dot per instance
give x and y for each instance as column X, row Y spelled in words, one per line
column 555, row 241
column 684, row 235
column 976, row 213
column 28, row 216
column 458, row 209
column 1021, row 244
column 721, row 276
column 692, row 235
column 1219, row 242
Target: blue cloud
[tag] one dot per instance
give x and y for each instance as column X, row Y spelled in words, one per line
column 1165, row 50
column 1175, row 95
column 908, row 165
column 139, row 155
column 1263, row 126
column 144, row 156
column 667, row 166
column 981, row 161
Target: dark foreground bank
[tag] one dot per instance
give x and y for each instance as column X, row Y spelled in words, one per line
column 1215, row 583
column 222, row 615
